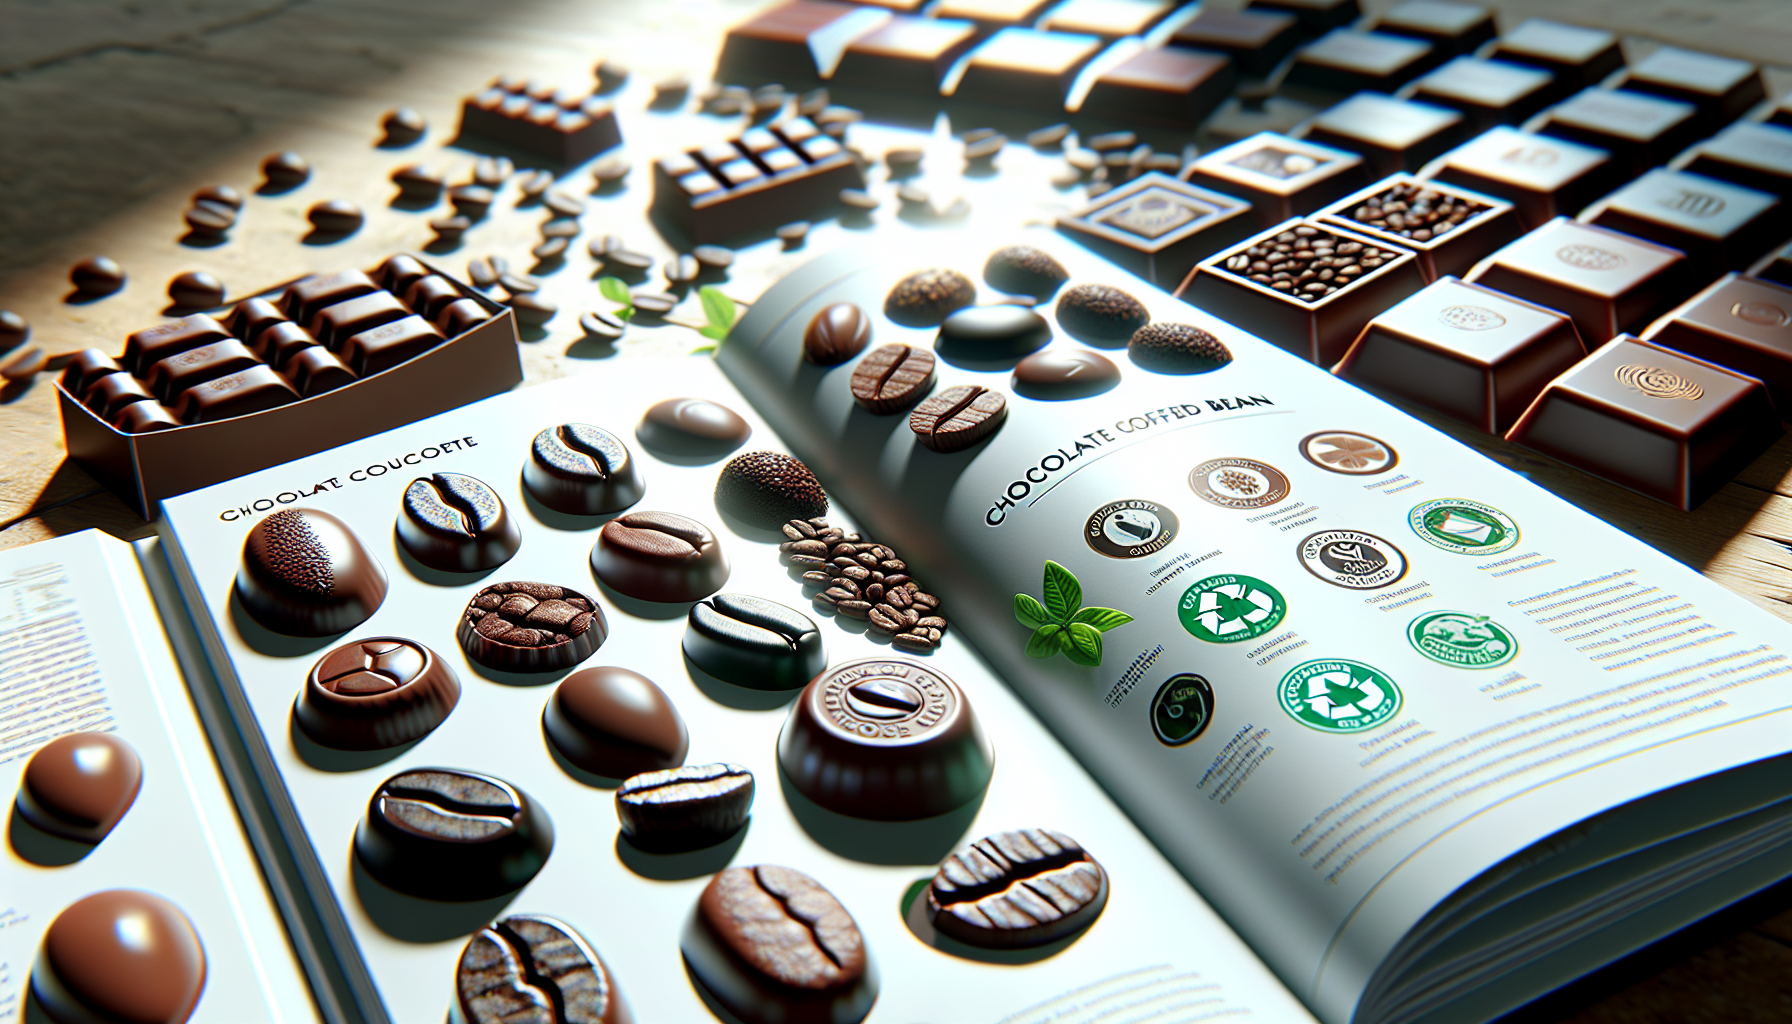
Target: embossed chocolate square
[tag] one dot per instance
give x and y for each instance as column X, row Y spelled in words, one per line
column 1280, row 176
column 1740, row 323
column 1541, row 177
column 1159, row 227
column 1580, row 56
column 1723, row 88
column 1468, row 352
column 1607, row 282
column 908, row 55
column 1450, row 229
column 1665, row 425
column 1449, row 26
column 1486, row 92
column 1718, row 225
column 1023, row 67
column 1109, row 19
column 563, row 126
column 1346, row 61
column 798, row 41
column 1757, row 156
column 1639, row 131
column 1316, row 17
column 1255, row 40
column 1307, row 287
column 1392, row 135
column 1167, row 87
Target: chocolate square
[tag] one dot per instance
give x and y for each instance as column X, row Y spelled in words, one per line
column 1607, row 282
column 1718, row 225
column 1757, row 156
column 735, row 194
column 1392, row 135
column 371, row 351
column 1316, row 17
column 992, row 15
column 907, row 55
column 561, row 126
column 1171, row 87
column 316, row 371
column 1541, row 177
column 1444, row 247
column 1453, row 28
column 1159, row 227
column 1109, row 19
column 1023, row 67
column 333, row 324
column 256, row 389
column 1345, row 61
column 1639, row 131
column 1280, row 176
column 1487, row 92
column 1721, row 87
column 1468, row 352
column 1740, row 323
column 147, row 347
column 1775, row 266
column 175, row 374
column 795, row 42
column 1255, row 40
column 1579, row 56
column 1663, row 424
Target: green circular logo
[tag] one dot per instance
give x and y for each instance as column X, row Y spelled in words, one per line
column 1462, row 640
column 1338, row 695
column 1227, row 609
column 1464, row 527
column 1182, row 708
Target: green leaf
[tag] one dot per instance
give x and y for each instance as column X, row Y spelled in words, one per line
column 614, row 289
column 1085, row 644
column 703, row 350
column 713, row 332
column 1029, row 611
column 1046, row 641
column 625, row 314
column 1063, row 594
column 718, row 309
column 1102, row 619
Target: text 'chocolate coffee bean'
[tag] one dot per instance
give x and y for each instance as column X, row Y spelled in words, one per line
column 1177, row 348
column 443, row 834
column 692, row 426
column 1057, row 374
column 582, row 470
column 531, row 627
column 659, row 556
column 773, row 946
column 685, row 808
column 78, row 786
column 959, row 417
column 769, row 489
column 836, row 334
column 614, row 722
column 1100, row 314
column 305, row 573
column 1024, row 270
column 993, row 332
column 755, row 643
column 889, row 740
column 120, row 955
column 1017, row 889
column 892, row 378
column 456, row 523
column 924, row 299
column 376, row 693
column 528, row 969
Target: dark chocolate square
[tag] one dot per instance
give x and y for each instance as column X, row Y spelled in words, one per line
column 559, row 125
column 1316, row 17
column 1487, row 92
column 1392, row 135
column 1775, row 266
column 1540, row 176
column 1023, row 67
column 992, row 15
column 1452, row 248
column 738, row 193
column 796, row 42
column 1159, row 227
column 1280, row 176
column 1580, row 56
column 1757, row 156
column 1171, row 87
column 907, row 55
column 1607, row 282
column 1345, row 61
column 1109, row 19
column 1453, row 28
column 1639, row 131
column 1255, row 40
column 1739, row 323
column 1718, row 225
column 1721, row 87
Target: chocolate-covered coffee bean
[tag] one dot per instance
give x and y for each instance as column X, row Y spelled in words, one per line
column 685, row 808
column 582, row 470
column 456, row 523
column 443, row 834
column 1017, row 889
column 752, row 642
column 534, row 969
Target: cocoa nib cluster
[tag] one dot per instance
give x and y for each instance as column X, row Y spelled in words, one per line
column 863, row 579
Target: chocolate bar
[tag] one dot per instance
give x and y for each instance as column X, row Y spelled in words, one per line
column 794, row 43
column 1449, row 229
column 1486, row 92
column 1453, row 28
column 1723, row 88
column 908, row 55
column 1280, row 176
column 748, row 187
column 1346, row 61
column 992, row 16
column 1639, row 131
column 1158, row 227
column 1256, row 41
column 1540, row 176
column 1023, row 67
column 1757, row 156
column 1108, row 19
column 1578, row 56
column 554, row 124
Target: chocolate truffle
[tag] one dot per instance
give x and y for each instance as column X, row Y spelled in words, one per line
column 196, row 289
column 531, row 627
column 78, row 786
column 1055, row 374
column 97, row 275
column 685, row 808
column 658, row 556
column 769, row 489
column 613, row 722
column 456, row 523
column 1017, row 889
column 925, row 298
column 1100, row 314
column 120, row 955
column 376, row 693
column 692, row 426
column 305, row 573
column 443, row 834
column 836, row 334
column 531, row 968
column 752, row 642
column 1024, row 270
column 580, row 469
column 1177, row 348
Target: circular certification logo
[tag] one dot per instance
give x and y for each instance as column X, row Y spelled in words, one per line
column 1470, row 318
column 1765, row 314
column 1352, row 559
column 1227, row 609
column 1348, row 452
column 1464, row 527
column 1238, row 483
column 1130, row 529
column 1338, row 695
column 1462, row 640
column 1181, row 710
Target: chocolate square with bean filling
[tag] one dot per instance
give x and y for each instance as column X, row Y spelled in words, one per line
column 1450, row 229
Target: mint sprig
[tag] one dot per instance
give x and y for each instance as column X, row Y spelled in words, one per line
column 616, row 290
column 1060, row 624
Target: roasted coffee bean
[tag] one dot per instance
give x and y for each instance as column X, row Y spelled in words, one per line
column 1411, row 210
column 490, row 171
column 97, row 275
column 416, row 181
column 1100, row 314
column 208, row 218
column 904, row 162
column 607, row 244
column 836, row 334
column 452, row 835
column 817, row 578
column 456, row 523
column 563, row 204
column 771, row 945
column 1017, row 889
column 609, row 170
column 533, row 969
column 681, row 270
column 449, row 229
column 1024, row 270
column 515, row 284
column 223, row 195
column 658, row 556
column 855, row 608
column 615, row 723
column 563, row 227
column 403, row 126
column 602, row 326
column 550, row 250
column 858, row 199
column 892, row 377
column 752, row 642
column 534, row 183
column 471, row 200
column 118, row 955
column 714, row 257
column 685, row 808
column 958, row 417
column 656, row 303
column 531, row 310
column 918, row 643
column 926, row 298
column 985, row 149
column 794, row 232
column 196, row 289
column 531, row 627
column 1307, row 263
column 804, row 547
column 285, row 170
column 1045, row 138
column 582, row 470
column 305, row 573
column 78, row 786
column 626, row 259
column 481, row 272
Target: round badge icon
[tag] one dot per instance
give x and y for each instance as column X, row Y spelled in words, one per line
column 1227, row 609
column 1181, row 710
column 1463, row 527
column 1238, row 483
column 1132, row 528
column 1348, row 452
column 1352, row 559
column 1338, row 695
column 1462, row 640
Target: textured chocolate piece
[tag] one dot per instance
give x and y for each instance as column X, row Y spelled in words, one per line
column 1256, row 41
column 120, row 955
column 692, row 426
column 1739, row 323
column 458, row 836
column 97, row 275
column 1541, row 177
column 1013, row 890
column 792, row 43
column 992, row 332
column 381, row 348
column 1025, row 68
column 614, row 722
column 1719, row 226
column 305, row 573
column 376, row 693
column 893, row 377
column 142, row 417
column 148, row 347
column 1449, row 229
column 250, row 317
column 837, row 333
column 658, row 556
column 752, row 642
column 196, row 289
column 86, row 368
column 958, row 417
column 747, row 188
column 560, row 125
column 315, row 370
column 1757, row 156
column 926, row 297
column 172, row 376
column 1392, row 135
column 78, row 786
column 336, row 323
column 531, row 627
column 1164, row 347
column 456, row 523
column 1100, row 314
column 1059, row 374
column 305, row 298
column 113, row 393
column 1024, row 270
column 280, row 341
column 685, row 808
column 1159, row 227
column 769, row 489
column 534, row 969
column 582, row 470
column 1579, row 56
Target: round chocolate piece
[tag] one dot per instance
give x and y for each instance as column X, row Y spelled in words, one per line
column 1056, row 374
column 97, row 275
column 376, row 693
column 403, row 126
column 444, row 834
column 1099, row 314
column 456, row 523
column 885, row 739
column 335, row 217
column 13, row 330
column 924, row 299
column 1177, row 348
column 769, row 489
column 417, row 181
column 208, row 218
column 685, row 808
column 692, row 426
column 531, row 627
column 120, row 955
column 993, row 332
column 836, row 334
column 615, row 723
column 223, row 195
column 305, row 573
column 1024, row 270
column 658, row 556
column 78, row 786
column 285, row 170
column 527, row 968
column 582, row 470
column 196, row 289
column 1017, row 889
column 752, row 642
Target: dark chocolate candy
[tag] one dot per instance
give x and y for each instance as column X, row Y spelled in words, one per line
column 658, row 556
column 1165, row 347
column 97, row 275
column 1719, row 226
column 692, row 426
column 147, row 347
column 142, row 417
column 907, row 55
column 1392, row 135
column 1540, row 176
column 958, row 417
column 1159, row 227
column 86, row 368
column 1740, row 323
column 1100, row 314
column 561, row 125
column 78, row 786
column 616, row 723
column 1486, row 92
column 196, row 289
column 335, row 217
column 685, row 808
column 169, row 377
column 306, row 297
column 769, row 489
column 285, row 170
column 1255, row 40
column 371, row 694
column 531, row 627
column 250, row 317
column 991, row 332
column 456, row 523
column 1346, row 61
column 1605, row 281
column 402, row 126
column 991, row 15
column 1024, row 67
column 315, row 370
column 1057, row 374
column 1105, row 18
column 380, row 348
column 1723, row 88
column 461, row 316
column 1449, row 26
column 444, row 834
column 1580, row 56
column 305, row 573
column 1757, row 156
column 13, row 330
column 582, row 470
column 1170, row 88
column 120, row 955
column 336, row 323
column 427, row 295
column 1638, row 131
column 892, row 378
column 1024, row 270
column 752, row 642
column 925, row 298
column 113, row 393
column 1013, row 890
column 535, row 969
column 400, row 271
column 749, row 187
column 794, row 42
column 836, row 334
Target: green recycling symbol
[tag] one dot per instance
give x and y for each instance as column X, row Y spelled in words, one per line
column 1227, row 609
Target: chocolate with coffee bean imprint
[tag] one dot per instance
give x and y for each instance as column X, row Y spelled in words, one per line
column 1017, row 889
column 659, row 556
column 456, row 523
column 752, row 642
column 535, row 969
column 580, row 469
column 892, row 377
column 1307, row 263
column 443, row 834
column 376, row 693
column 685, row 808
column 531, row 627
column 958, row 417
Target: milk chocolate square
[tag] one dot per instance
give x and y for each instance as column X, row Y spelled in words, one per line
column 1280, row 176
column 798, row 41
column 1486, row 92
column 1468, row 352
column 1159, row 227
column 1663, row 424
column 148, row 347
column 1580, row 56
column 1392, row 135
column 1740, row 323
column 1541, row 177
column 1316, row 17
column 1718, row 225
column 1451, row 27
column 907, row 55
column 1023, row 67
column 256, row 389
column 1757, row 156
column 1109, row 19
column 1639, row 131
column 1171, row 87
column 1345, row 61
column 1723, row 88
column 563, row 126
column 175, row 374
column 1449, row 229
column 1255, row 40
column 1605, row 281
column 992, row 15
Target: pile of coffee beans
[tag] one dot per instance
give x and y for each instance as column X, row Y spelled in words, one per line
column 1307, row 263
column 1413, row 211
column 863, row 579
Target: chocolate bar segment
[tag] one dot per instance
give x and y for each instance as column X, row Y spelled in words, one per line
column 1159, row 227
column 748, row 187
column 148, row 347
column 1316, row 17
column 1281, row 177
column 1639, row 131
column 373, row 351
column 175, row 374
column 907, row 55
column 1541, row 177
column 1108, row 19
column 1776, row 266
column 1346, row 61
column 1170, row 87
column 562, row 126
column 992, row 16
column 1757, row 156
column 1486, row 92
column 1392, row 135
column 1256, row 41
column 793, row 43
column 1023, row 67
column 1740, row 323
column 238, row 394
column 1453, row 28
column 1723, row 88
column 1579, row 56
column 1718, row 225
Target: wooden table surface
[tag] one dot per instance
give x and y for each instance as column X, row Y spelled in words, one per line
column 113, row 111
